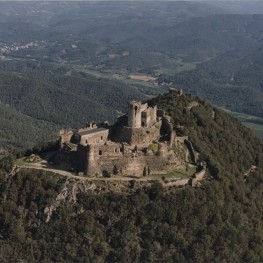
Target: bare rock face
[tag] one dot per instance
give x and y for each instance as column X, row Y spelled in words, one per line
column 68, row 194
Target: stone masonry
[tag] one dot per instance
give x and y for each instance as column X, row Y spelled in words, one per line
column 139, row 143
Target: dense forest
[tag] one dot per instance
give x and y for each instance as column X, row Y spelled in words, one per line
column 221, row 221
column 232, row 80
column 34, row 106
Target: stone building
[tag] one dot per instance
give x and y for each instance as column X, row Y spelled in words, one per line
column 139, row 143
column 93, row 136
column 93, row 133
column 143, row 124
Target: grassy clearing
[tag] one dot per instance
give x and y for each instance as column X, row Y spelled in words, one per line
column 138, row 82
column 154, row 147
column 256, row 128
column 180, row 68
column 24, row 161
column 177, row 174
column 142, row 77
column 145, row 87
column 142, row 85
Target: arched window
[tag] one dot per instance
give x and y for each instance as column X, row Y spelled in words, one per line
column 100, row 152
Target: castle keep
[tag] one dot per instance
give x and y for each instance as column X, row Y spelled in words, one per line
column 139, row 143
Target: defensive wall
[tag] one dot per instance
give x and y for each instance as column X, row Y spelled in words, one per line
column 126, row 147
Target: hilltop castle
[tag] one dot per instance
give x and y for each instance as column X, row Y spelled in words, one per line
column 139, row 143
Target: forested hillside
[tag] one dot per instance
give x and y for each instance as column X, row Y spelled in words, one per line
column 65, row 99
column 65, row 63
column 21, row 131
column 232, row 80
column 34, row 105
column 221, row 221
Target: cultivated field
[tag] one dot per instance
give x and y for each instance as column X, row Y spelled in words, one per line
column 142, row 77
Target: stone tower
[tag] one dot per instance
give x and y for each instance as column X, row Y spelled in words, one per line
column 91, row 167
column 135, row 114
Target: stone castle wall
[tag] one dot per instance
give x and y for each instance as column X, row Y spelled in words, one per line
column 192, row 155
column 148, row 117
column 112, row 160
column 140, row 135
column 128, row 148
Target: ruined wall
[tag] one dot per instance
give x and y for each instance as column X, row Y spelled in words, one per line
column 110, row 159
column 79, row 158
column 160, row 113
column 139, row 135
column 143, row 165
column 91, row 167
column 96, row 155
column 131, row 166
column 100, row 157
column 108, row 150
column 176, row 182
column 148, row 117
column 191, row 150
column 65, row 137
column 167, row 130
column 197, row 178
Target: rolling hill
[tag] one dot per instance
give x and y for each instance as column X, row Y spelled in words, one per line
column 232, row 80
column 47, row 217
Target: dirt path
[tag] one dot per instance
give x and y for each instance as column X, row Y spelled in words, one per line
column 39, row 166
column 44, row 166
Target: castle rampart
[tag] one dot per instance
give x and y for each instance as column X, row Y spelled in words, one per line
column 112, row 159
column 140, row 136
column 139, row 143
